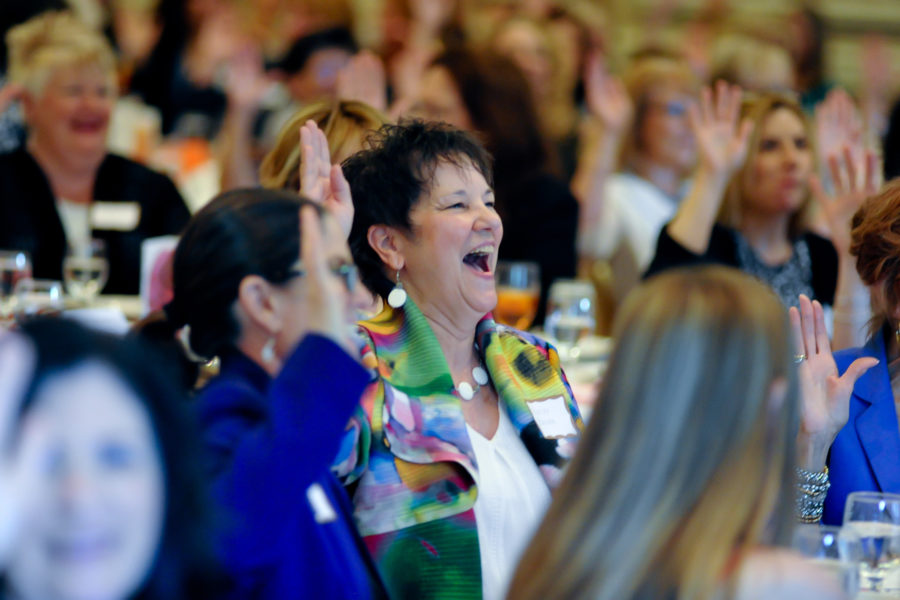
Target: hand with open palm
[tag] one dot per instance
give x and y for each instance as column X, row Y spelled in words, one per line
column 321, row 181
column 721, row 140
column 606, row 96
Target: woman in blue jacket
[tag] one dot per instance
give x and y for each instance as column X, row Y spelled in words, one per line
column 276, row 306
column 865, row 455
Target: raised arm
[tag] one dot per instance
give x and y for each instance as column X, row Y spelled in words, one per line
column 824, row 401
column 320, row 180
column 611, row 112
column 855, row 177
column 722, row 147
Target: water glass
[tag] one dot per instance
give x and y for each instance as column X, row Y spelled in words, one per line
column 518, row 293
column 85, row 270
column 38, row 297
column 15, row 265
column 570, row 313
column 834, row 550
column 875, row 518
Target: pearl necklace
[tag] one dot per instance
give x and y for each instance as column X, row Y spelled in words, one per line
column 465, row 390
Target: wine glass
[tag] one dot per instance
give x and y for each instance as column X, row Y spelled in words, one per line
column 570, row 314
column 38, row 297
column 15, row 265
column 875, row 518
column 835, row 550
column 85, row 270
column 518, row 293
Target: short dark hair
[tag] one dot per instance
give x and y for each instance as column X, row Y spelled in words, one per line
column 242, row 232
column 303, row 48
column 185, row 564
column 388, row 178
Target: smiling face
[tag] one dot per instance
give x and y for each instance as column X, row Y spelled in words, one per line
column 448, row 261
column 775, row 181
column 71, row 114
column 95, row 527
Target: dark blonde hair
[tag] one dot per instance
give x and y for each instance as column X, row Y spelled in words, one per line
column 688, row 457
column 647, row 73
column 346, row 123
column 757, row 108
column 875, row 242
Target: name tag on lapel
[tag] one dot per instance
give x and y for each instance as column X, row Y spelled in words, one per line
column 115, row 216
column 553, row 418
column 323, row 512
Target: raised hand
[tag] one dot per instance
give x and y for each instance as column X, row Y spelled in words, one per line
column 721, row 142
column 326, row 316
column 855, row 177
column 246, row 81
column 606, row 96
column 825, row 396
column 838, row 125
column 321, row 181
column 21, row 448
column 363, row 78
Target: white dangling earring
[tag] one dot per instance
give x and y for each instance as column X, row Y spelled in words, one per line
column 268, row 351
column 397, row 297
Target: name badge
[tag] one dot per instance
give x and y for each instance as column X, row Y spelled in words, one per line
column 553, row 418
column 115, row 216
column 323, row 512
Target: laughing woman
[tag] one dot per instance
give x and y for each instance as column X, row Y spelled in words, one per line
column 470, row 422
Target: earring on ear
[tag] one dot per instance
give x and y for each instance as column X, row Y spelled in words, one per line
column 268, row 351
column 397, row 297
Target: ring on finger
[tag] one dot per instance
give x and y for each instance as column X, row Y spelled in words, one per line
column 799, row 358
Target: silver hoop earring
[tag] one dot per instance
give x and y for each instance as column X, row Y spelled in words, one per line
column 267, row 354
column 397, row 297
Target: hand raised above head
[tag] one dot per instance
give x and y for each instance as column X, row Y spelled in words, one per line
column 325, row 313
column 606, row 96
column 321, row 181
column 364, row 79
column 721, row 140
column 824, row 395
column 855, row 177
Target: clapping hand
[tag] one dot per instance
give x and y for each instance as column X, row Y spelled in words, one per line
column 21, row 446
column 855, row 178
column 721, row 142
column 606, row 96
column 321, row 181
column 825, row 396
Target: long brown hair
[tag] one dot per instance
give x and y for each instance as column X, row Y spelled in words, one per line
column 688, row 457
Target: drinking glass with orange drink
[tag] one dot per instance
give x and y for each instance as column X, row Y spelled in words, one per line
column 518, row 293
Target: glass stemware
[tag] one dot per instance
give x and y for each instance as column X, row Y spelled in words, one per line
column 835, row 550
column 85, row 270
column 38, row 297
column 875, row 518
column 570, row 314
column 518, row 293
column 15, row 265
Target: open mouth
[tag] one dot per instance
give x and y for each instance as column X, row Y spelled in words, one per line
column 89, row 125
column 480, row 260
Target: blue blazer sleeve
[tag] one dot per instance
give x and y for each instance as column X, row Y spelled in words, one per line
column 267, row 450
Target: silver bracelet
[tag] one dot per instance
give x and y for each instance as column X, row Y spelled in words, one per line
column 812, row 487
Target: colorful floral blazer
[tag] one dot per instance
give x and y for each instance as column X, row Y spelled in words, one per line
column 408, row 461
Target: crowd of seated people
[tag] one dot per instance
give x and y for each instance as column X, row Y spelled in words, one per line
column 326, row 407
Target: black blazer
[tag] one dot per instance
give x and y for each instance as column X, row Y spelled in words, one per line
column 29, row 219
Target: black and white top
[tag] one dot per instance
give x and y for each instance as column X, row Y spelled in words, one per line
column 812, row 268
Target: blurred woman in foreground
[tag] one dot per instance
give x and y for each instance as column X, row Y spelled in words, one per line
column 684, row 482
column 112, row 507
